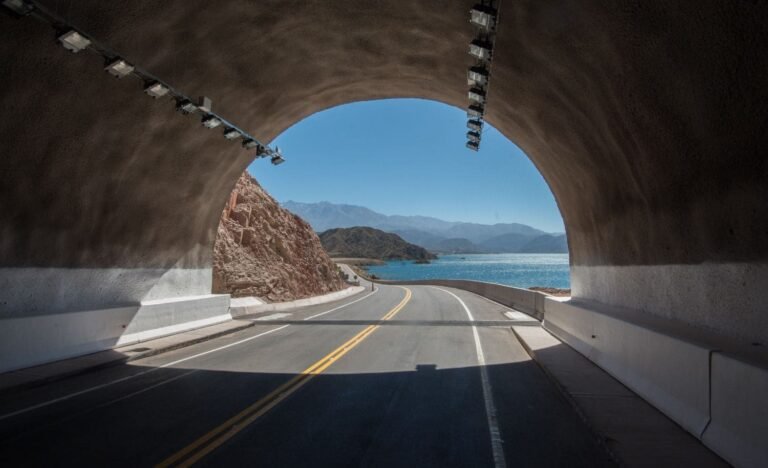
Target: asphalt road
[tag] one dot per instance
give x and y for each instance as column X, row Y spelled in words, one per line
column 415, row 376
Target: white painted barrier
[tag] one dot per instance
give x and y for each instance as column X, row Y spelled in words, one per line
column 671, row 373
column 30, row 341
column 739, row 427
column 250, row 309
column 40, row 339
column 164, row 317
column 524, row 300
column 35, row 340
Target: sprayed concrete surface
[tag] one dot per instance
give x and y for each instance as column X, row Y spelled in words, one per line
column 647, row 120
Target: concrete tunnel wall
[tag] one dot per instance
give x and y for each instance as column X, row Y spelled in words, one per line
column 648, row 120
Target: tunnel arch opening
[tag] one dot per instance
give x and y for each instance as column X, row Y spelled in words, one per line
column 628, row 131
column 406, row 157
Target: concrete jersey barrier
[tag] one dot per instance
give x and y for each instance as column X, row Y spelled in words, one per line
column 239, row 311
column 524, row 300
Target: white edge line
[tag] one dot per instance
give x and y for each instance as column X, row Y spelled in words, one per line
column 129, row 377
column 490, row 407
column 343, row 305
column 173, row 363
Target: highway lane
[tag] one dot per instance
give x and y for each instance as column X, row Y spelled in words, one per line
column 409, row 393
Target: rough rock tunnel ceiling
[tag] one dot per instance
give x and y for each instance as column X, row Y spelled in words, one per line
column 647, row 119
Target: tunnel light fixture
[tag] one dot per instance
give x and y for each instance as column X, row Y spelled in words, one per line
column 211, row 121
column 483, row 16
column 480, row 49
column 477, row 76
column 74, row 41
column 19, row 7
column 475, row 111
column 231, row 133
column 185, row 106
column 476, row 95
column 262, row 151
column 119, row 68
column 156, row 90
column 475, row 124
column 205, row 104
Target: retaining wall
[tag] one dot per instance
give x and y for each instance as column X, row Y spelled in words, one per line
column 252, row 309
column 524, row 300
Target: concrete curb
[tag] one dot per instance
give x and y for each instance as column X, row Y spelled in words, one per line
column 24, row 379
column 596, row 433
column 291, row 305
column 628, row 427
column 72, row 367
column 524, row 300
column 190, row 342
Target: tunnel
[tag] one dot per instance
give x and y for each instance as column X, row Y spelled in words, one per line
column 648, row 121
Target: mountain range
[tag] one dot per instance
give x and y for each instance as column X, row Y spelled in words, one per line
column 434, row 234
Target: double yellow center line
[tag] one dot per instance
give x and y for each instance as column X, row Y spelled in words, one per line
column 231, row 427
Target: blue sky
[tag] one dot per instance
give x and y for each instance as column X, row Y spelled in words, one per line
column 407, row 157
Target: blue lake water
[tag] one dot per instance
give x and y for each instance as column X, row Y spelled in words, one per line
column 521, row 270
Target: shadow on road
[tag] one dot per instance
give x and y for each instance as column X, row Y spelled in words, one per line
column 422, row 417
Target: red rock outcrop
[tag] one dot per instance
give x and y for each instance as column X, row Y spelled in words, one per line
column 266, row 251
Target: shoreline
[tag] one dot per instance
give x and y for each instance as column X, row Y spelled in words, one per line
column 535, row 272
column 358, row 261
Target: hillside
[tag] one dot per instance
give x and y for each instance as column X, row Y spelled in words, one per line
column 264, row 250
column 434, row 234
column 422, row 238
column 548, row 243
column 478, row 233
column 366, row 242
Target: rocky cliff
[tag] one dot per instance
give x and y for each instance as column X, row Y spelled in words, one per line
column 266, row 251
